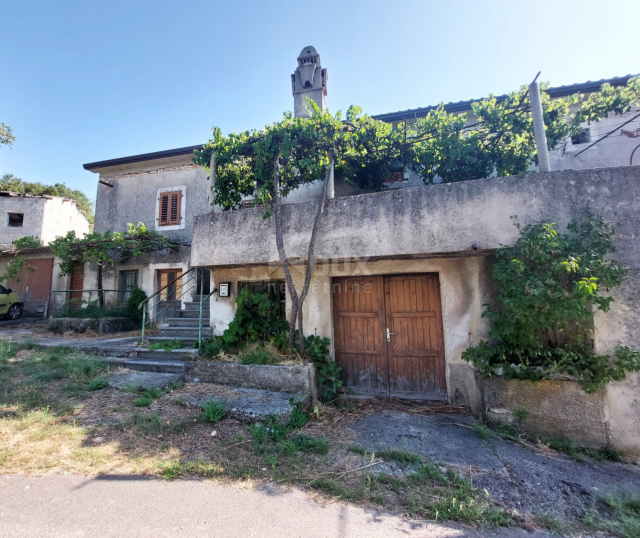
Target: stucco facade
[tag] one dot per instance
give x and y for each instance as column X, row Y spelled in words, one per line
column 452, row 230
column 132, row 197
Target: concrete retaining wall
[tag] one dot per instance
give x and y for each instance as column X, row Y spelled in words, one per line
column 298, row 379
column 556, row 410
column 100, row 326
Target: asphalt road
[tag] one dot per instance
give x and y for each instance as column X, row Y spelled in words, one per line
column 70, row 505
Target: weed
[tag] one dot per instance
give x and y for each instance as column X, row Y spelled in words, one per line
column 581, row 454
column 304, row 443
column 259, row 356
column 98, row 384
column 625, row 519
column 482, row 431
column 521, row 414
column 212, row 347
column 179, row 401
column 552, row 523
column 332, row 487
column 174, row 385
column 213, row 411
column 52, row 375
column 175, row 469
column 401, row 456
column 167, row 345
column 142, row 401
column 149, row 425
column 357, row 450
column 153, row 392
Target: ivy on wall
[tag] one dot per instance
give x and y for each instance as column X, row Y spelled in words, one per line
column 548, row 287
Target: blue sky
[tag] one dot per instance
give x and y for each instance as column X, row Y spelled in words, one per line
column 84, row 81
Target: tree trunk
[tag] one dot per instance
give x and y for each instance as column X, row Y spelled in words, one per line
column 312, row 244
column 100, row 293
column 298, row 301
column 277, row 210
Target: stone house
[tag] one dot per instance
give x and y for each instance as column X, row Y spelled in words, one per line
column 164, row 191
column 401, row 275
column 44, row 217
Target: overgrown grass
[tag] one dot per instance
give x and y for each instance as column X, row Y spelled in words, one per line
column 582, row 454
column 400, row 456
column 89, row 310
column 148, row 396
column 167, row 345
column 213, row 411
column 260, row 356
column 211, row 347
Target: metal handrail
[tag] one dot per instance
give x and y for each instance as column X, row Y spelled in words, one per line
column 177, row 298
column 145, row 304
column 165, row 287
column 202, row 299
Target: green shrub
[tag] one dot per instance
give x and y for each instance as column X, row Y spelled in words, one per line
column 548, row 284
column 211, row 347
column 98, row 383
column 167, row 345
column 256, row 320
column 132, row 310
column 213, row 411
column 304, row 443
column 328, row 371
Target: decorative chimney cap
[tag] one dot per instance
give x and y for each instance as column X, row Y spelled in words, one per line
column 308, row 52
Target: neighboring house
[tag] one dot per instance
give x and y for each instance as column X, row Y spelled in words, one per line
column 44, row 217
column 164, row 191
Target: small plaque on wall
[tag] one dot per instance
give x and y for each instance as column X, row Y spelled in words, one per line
column 224, row 289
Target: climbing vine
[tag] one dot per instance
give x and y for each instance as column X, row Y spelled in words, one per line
column 18, row 262
column 541, row 321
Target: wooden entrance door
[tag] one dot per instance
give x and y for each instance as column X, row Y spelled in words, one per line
column 388, row 335
column 77, row 283
column 169, row 302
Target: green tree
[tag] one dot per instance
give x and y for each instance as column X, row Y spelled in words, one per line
column 7, row 137
column 270, row 163
column 9, row 182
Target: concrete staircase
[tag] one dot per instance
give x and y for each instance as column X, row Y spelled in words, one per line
column 184, row 328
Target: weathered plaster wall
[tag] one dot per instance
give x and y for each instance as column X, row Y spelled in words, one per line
column 60, row 216
column 134, row 195
column 464, row 289
column 438, row 228
column 33, row 209
column 444, row 220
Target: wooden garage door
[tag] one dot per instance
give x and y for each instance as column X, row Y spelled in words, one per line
column 388, row 335
column 34, row 285
column 415, row 344
column 358, row 310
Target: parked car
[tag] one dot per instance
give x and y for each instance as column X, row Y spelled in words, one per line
column 10, row 303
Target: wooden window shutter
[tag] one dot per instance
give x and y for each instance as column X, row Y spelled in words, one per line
column 170, row 203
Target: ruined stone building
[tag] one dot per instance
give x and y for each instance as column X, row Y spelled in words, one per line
column 45, row 218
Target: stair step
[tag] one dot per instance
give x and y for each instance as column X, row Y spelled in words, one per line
column 187, row 341
column 188, row 322
column 167, row 333
column 191, row 305
column 162, row 355
column 191, row 314
column 167, row 367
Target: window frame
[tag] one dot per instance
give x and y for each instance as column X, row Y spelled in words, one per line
column 9, row 225
column 179, row 222
column 124, row 294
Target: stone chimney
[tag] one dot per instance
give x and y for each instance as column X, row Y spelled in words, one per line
column 309, row 80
